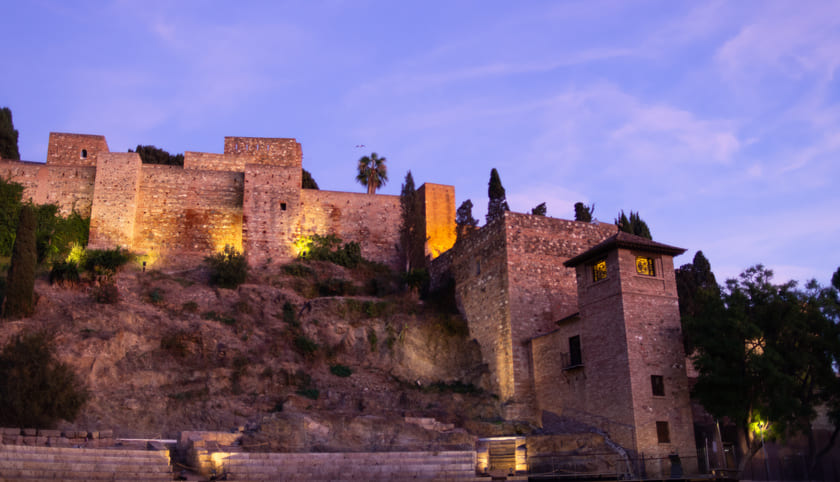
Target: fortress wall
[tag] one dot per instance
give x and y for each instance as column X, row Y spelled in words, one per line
column 478, row 264
column 27, row 174
column 266, row 150
column 114, row 200
column 69, row 187
column 188, row 210
column 555, row 386
column 372, row 221
column 66, row 149
column 542, row 290
column 207, row 161
column 438, row 213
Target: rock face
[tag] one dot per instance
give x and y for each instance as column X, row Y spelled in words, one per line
column 271, row 356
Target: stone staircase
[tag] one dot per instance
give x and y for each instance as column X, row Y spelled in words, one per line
column 392, row 466
column 38, row 463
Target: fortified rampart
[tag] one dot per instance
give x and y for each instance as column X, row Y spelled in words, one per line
column 249, row 197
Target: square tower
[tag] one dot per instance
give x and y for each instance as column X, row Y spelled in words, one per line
column 630, row 349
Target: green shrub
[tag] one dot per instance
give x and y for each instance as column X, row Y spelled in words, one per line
column 105, row 292
column 156, row 296
column 340, row 370
column 36, row 390
column 11, row 194
column 64, row 273
column 190, row 307
column 228, row 269
column 212, row 315
column 336, row 287
column 305, row 346
column 105, row 262
column 373, row 339
column 290, row 315
column 329, row 248
column 297, row 269
column 176, row 343
column 310, row 393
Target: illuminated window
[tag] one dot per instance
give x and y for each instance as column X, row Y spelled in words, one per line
column 645, row 266
column 575, row 355
column 657, row 383
column 83, row 155
column 663, row 433
column 599, row 270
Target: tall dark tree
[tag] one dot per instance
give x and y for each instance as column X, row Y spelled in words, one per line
column 19, row 301
column 11, row 194
column 583, row 212
column 412, row 242
column 497, row 204
column 372, row 172
column 36, row 390
column 155, row 155
column 633, row 225
column 464, row 219
column 540, row 210
column 8, row 136
column 307, row 181
column 696, row 288
column 766, row 354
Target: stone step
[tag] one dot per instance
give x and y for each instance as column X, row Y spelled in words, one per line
column 390, row 478
column 70, row 466
column 86, row 451
column 466, row 467
column 23, row 456
column 82, row 475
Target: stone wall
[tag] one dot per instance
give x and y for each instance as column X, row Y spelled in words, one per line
column 75, row 149
column 265, row 150
column 208, row 161
column 114, row 200
column 188, row 210
column 69, row 187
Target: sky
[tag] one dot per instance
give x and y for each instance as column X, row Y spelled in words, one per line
column 718, row 121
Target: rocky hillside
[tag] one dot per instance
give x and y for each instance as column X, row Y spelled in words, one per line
column 306, row 356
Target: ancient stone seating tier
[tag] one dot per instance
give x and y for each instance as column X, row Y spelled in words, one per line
column 37, row 463
column 392, row 466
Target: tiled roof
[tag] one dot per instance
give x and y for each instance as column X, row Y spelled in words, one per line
column 626, row 241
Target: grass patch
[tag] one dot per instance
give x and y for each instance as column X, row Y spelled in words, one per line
column 310, row 393
column 298, row 269
column 212, row 315
column 340, row 370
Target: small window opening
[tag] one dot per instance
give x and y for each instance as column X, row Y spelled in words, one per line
column 663, row 434
column 645, row 266
column 282, row 206
column 657, row 384
column 478, row 267
column 599, row 270
column 84, row 154
column 575, row 355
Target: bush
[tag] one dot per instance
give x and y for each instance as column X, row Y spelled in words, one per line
column 336, row 287
column 36, row 390
column 156, row 296
column 328, row 248
column 305, row 346
column 105, row 292
column 105, row 262
column 310, row 393
column 64, row 273
column 416, row 279
column 190, row 307
column 341, row 370
column 212, row 315
column 297, row 269
column 228, row 269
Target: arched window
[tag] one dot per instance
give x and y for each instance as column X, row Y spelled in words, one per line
column 84, row 154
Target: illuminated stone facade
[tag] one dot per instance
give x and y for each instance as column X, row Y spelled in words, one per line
column 249, row 197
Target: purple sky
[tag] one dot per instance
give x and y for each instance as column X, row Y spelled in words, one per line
column 718, row 121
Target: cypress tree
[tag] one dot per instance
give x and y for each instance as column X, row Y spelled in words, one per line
column 583, row 212
column 307, row 181
column 464, row 219
column 412, row 241
column 496, row 192
column 8, row 136
column 540, row 210
column 20, row 283
column 633, row 225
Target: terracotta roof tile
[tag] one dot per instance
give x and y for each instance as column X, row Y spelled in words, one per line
column 626, row 241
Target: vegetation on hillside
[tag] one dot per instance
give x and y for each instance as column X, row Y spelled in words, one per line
column 156, row 155
column 228, row 268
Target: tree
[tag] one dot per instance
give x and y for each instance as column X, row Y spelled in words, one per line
column 696, row 287
column 633, row 225
column 412, row 239
column 583, row 212
column 765, row 355
column 11, row 194
column 36, row 390
column 372, row 172
column 464, row 219
column 540, row 210
column 8, row 136
column 19, row 301
column 155, row 155
column 307, row 181
column 496, row 192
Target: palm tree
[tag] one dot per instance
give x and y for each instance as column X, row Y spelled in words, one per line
column 372, row 172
